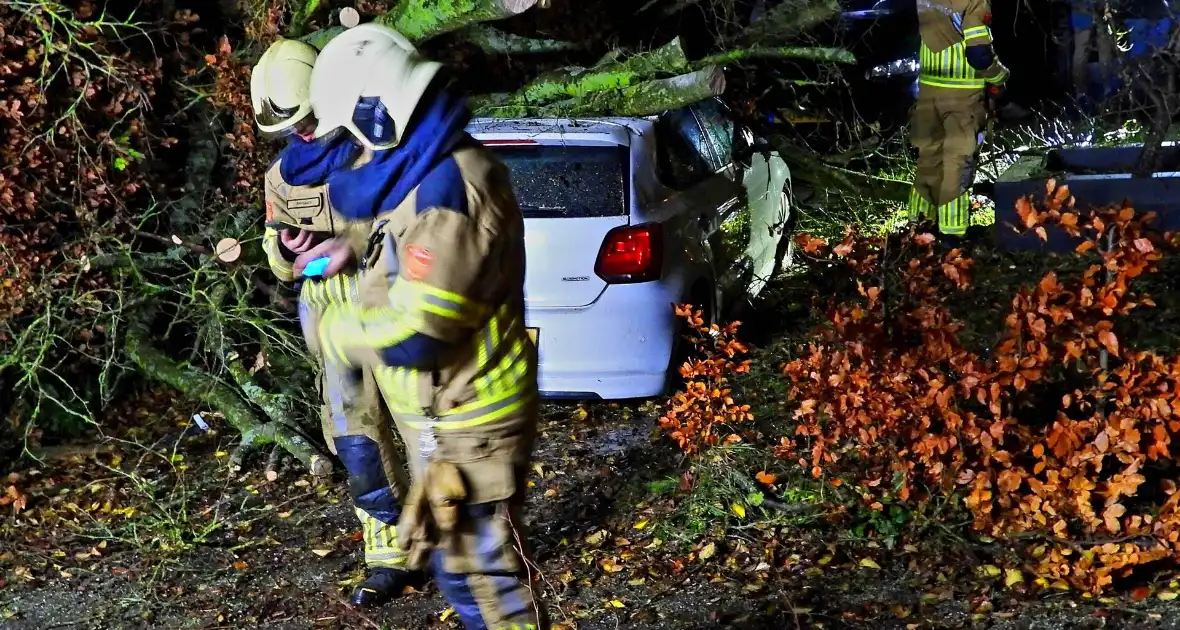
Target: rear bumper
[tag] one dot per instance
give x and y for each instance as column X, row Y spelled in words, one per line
column 619, row 347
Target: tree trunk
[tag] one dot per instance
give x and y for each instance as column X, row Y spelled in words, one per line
column 788, row 20
column 200, row 385
column 578, row 82
column 419, row 20
column 642, row 99
column 833, row 55
column 493, row 41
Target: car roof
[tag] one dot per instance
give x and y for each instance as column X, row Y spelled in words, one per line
column 617, row 130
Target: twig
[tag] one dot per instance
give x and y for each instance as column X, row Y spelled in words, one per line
column 335, row 597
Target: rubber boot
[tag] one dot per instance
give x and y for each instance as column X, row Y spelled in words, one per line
column 383, row 585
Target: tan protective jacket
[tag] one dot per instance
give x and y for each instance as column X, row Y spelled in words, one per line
column 447, row 263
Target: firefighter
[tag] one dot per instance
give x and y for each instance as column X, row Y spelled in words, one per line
column 357, row 427
column 958, row 71
column 441, row 316
column 1088, row 24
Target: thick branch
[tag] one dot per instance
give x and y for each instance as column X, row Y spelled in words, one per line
column 278, row 407
column 787, row 21
column 493, row 41
column 201, row 385
column 420, row 20
column 578, row 82
column 643, row 99
column 832, row 55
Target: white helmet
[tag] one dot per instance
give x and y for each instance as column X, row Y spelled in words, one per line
column 368, row 81
column 279, row 85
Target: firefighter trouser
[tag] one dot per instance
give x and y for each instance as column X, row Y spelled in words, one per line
column 1087, row 38
column 476, row 548
column 359, row 430
column 945, row 129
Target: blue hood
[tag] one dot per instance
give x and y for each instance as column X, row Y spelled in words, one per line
column 307, row 163
column 384, row 182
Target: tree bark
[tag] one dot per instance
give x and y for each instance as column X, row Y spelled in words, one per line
column 642, row 99
column 419, row 20
column 578, row 82
column 788, row 20
column 201, row 385
column 494, row 41
column 832, row 55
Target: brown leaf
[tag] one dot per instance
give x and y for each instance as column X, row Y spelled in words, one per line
column 1109, row 341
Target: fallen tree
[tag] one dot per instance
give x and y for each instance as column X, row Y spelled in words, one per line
column 154, row 223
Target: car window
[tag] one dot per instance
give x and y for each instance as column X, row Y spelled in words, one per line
column 679, row 141
column 719, row 129
column 555, row 181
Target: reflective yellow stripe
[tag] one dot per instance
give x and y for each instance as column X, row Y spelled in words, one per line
column 399, row 387
column 417, row 295
column 353, row 326
column 919, row 208
column 977, row 32
column 954, row 215
column 274, row 257
column 953, row 83
column 475, row 413
column 947, row 69
column 1001, row 77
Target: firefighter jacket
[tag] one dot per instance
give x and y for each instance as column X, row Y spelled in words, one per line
column 307, row 207
column 956, row 51
column 442, row 290
column 442, row 278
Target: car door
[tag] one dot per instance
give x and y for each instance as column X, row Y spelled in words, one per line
column 686, row 163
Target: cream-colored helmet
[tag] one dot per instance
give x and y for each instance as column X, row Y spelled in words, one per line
column 279, row 85
column 370, row 75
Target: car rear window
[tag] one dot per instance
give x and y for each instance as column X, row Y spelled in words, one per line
column 560, row 181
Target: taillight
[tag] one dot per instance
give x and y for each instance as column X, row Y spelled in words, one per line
column 632, row 253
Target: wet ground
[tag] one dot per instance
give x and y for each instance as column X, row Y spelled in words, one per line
column 126, row 538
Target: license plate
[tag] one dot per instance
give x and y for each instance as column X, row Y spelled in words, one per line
column 533, row 332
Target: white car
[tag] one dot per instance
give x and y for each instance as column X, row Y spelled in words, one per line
column 619, row 218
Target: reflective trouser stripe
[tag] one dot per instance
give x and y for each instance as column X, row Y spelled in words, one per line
column 474, row 414
column 919, row 208
column 953, row 216
column 381, row 548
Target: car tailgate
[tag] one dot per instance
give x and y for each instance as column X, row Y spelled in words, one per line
column 571, row 197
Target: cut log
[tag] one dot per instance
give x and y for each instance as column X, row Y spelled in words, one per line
column 643, row 99
column 420, row 20
column 832, row 55
column 200, row 385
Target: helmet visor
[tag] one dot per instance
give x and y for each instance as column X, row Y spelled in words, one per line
column 371, row 120
column 268, row 114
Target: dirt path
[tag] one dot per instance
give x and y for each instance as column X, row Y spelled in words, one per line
column 204, row 551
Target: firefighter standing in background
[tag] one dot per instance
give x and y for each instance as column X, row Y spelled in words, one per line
column 357, row 428
column 1088, row 23
column 441, row 316
column 958, row 70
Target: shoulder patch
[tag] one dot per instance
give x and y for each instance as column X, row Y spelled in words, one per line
column 443, row 187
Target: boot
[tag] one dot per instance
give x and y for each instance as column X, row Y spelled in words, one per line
column 383, row 585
